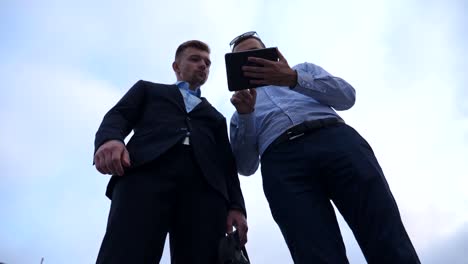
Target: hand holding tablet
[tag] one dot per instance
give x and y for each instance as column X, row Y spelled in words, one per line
column 237, row 79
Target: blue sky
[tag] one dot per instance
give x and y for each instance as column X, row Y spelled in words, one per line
column 65, row 63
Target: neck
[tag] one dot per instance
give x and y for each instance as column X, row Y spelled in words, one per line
column 193, row 87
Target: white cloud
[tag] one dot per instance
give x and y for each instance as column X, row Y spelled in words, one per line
column 48, row 115
column 448, row 249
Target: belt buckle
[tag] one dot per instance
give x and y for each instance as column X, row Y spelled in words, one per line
column 291, row 136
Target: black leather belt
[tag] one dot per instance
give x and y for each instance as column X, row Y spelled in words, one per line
column 304, row 128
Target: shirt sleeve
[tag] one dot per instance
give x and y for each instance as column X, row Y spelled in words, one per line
column 314, row 81
column 244, row 143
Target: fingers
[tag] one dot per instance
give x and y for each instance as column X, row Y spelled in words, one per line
column 263, row 62
column 265, row 74
column 254, row 69
column 116, row 163
column 99, row 163
column 235, row 101
column 101, row 159
column 260, row 82
column 242, row 229
column 111, row 157
column 265, row 65
column 244, row 101
column 108, row 161
column 253, row 93
column 230, row 225
column 243, row 95
column 237, row 219
column 254, row 75
column 126, row 158
column 270, row 72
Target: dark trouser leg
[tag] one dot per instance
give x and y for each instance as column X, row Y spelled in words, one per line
column 142, row 210
column 333, row 163
column 139, row 219
column 300, row 205
column 168, row 195
column 359, row 190
column 200, row 221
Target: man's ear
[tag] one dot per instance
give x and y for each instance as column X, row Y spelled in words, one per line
column 175, row 67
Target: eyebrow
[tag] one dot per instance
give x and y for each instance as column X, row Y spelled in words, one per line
column 200, row 57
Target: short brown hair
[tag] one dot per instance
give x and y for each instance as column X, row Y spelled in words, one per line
column 197, row 44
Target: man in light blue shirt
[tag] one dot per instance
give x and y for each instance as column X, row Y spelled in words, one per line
column 309, row 156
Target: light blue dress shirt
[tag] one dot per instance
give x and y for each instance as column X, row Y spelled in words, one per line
column 191, row 98
column 315, row 96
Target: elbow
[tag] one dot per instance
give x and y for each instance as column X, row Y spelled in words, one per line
column 245, row 172
column 351, row 100
column 348, row 100
column 351, row 97
column 347, row 104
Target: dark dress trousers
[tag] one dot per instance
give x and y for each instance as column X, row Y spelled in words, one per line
column 336, row 164
column 185, row 190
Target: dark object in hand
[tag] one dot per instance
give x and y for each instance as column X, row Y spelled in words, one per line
column 230, row 251
column 234, row 62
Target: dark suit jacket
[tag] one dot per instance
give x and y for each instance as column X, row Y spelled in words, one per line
column 157, row 115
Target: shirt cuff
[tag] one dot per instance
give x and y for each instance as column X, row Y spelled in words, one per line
column 297, row 81
column 305, row 80
column 246, row 122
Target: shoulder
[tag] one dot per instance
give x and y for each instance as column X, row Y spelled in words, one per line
column 153, row 87
column 152, row 84
column 305, row 66
column 213, row 110
column 310, row 68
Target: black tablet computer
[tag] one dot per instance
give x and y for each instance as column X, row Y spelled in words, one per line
column 234, row 62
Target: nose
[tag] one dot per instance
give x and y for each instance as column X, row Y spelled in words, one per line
column 202, row 65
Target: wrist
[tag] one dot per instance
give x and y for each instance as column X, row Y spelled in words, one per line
column 245, row 111
column 293, row 79
column 237, row 210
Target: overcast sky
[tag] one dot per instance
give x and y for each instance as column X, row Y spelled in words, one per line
column 63, row 64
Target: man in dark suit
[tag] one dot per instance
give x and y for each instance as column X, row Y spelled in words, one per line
column 176, row 175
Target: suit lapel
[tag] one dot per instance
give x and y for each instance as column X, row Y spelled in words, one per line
column 176, row 95
column 202, row 106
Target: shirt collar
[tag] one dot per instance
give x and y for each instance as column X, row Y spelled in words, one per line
column 185, row 86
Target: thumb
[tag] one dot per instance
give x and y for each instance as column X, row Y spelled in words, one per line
column 253, row 93
column 229, row 225
column 125, row 158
